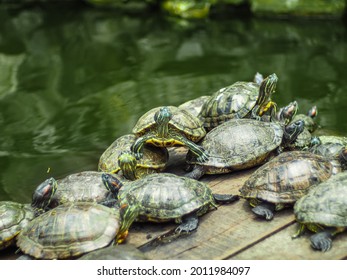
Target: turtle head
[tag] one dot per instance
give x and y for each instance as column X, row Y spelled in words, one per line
column 313, row 112
column 43, row 194
column 292, row 131
column 127, row 163
column 111, row 183
column 163, row 115
column 286, row 114
column 129, row 211
column 267, row 88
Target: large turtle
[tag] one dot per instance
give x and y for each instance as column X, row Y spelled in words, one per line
column 70, row 230
column 239, row 100
column 166, row 127
column 16, row 216
column 85, row 186
column 163, row 197
column 241, row 144
column 324, row 211
column 118, row 158
column 287, row 177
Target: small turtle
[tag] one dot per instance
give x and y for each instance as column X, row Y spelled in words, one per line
column 324, row 211
column 117, row 252
column 70, row 230
column 194, row 106
column 164, row 197
column 86, row 186
column 287, row 177
column 241, row 144
column 309, row 119
column 118, row 158
column 166, row 127
column 16, row 216
column 239, row 100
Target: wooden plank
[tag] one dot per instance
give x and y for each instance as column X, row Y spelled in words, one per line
column 281, row 246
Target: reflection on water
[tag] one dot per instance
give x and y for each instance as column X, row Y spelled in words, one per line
column 72, row 80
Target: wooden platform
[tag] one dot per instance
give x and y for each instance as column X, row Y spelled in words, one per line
column 230, row 232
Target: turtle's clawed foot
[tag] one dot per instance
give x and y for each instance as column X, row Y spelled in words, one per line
column 189, row 225
column 263, row 212
column 321, row 241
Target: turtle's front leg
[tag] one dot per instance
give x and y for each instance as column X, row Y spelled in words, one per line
column 189, row 224
column 322, row 240
column 264, row 210
column 137, row 147
column 198, row 151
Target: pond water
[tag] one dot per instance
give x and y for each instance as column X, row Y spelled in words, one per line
column 73, row 79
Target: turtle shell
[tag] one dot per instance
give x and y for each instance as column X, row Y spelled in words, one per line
column 154, row 158
column 164, row 197
column 238, row 144
column 333, row 139
column 69, row 231
column 331, row 150
column 232, row 102
column 86, row 186
column 287, row 177
column 118, row 252
column 194, row 106
column 326, row 204
column 182, row 121
column 14, row 217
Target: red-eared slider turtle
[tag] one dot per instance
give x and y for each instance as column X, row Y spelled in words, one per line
column 240, row 100
column 194, row 106
column 309, row 118
column 324, row 211
column 86, row 186
column 241, row 144
column 117, row 252
column 287, row 177
column 169, row 126
column 16, row 216
column 70, row 230
column 118, row 158
column 164, row 197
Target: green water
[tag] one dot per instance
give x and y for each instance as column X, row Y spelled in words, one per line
column 72, row 79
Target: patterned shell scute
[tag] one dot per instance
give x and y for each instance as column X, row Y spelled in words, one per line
column 84, row 186
column 181, row 120
column 325, row 204
column 238, row 142
column 153, row 157
column 13, row 218
column 287, row 177
column 164, row 196
column 234, row 101
column 69, row 230
column 194, row 106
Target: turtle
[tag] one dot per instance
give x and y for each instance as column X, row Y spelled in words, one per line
column 283, row 115
column 287, row 177
column 169, row 126
column 309, row 118
column 330, row 150
column 70, row 230
column 240, row 144
column 85, row 186
column 239, row 100
column 117, row 252
column 164, row 197
column 16, row 216
column 332, row 139
column 323, row 210
column 118, row 158
column 194, row 106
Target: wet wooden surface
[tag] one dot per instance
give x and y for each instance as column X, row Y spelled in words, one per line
column 230, row 232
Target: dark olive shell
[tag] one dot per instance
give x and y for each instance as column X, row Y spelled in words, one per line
column 238, row 144
column 163, row 197
column 288, row 177
column 69, row 231
column 194, row 106
column 13, row 218
column 326, row 204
